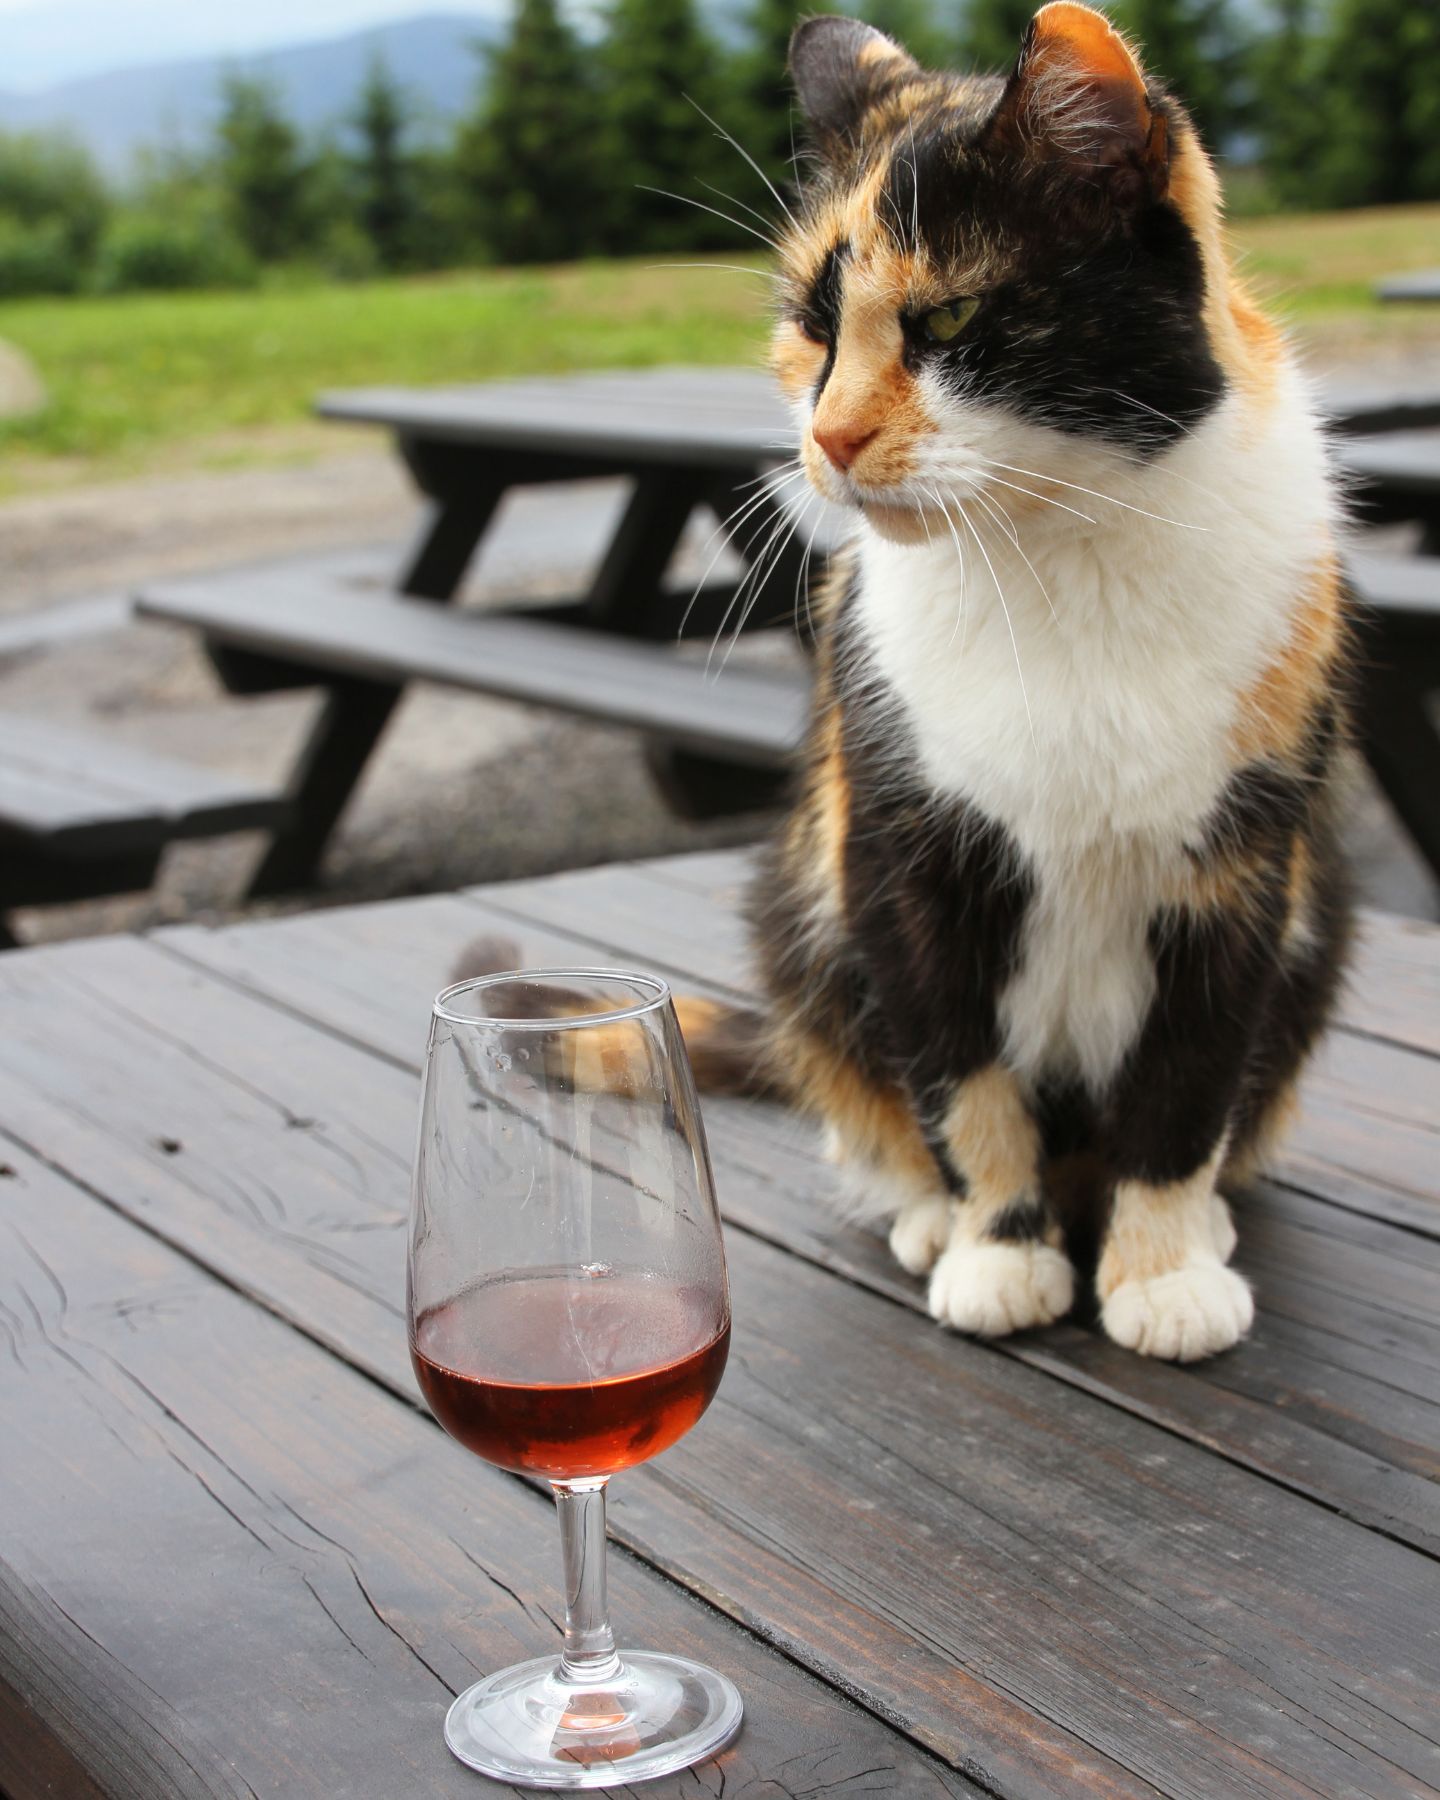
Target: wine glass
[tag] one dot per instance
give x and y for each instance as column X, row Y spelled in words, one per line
column 569, row 1318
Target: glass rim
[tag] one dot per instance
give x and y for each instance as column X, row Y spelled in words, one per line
column 657, row 986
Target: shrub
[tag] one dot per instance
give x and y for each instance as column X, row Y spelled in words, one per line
column 46, row 178
column 148, row 251
column 37, row 259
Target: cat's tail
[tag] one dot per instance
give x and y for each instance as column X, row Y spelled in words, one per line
column 728, row 1046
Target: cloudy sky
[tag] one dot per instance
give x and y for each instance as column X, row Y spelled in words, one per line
column 47, row 41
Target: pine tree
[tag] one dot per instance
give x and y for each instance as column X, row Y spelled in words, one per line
column 657, row 65
column 914, row 24
column 1380, row 75
column 384, row 178
column 767, row 123
column 526, row 158
column 1289, row 125
column 992, row 31
column 261, row 169
column 1196, row 49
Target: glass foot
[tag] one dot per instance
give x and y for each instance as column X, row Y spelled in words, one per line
column 655, row 1715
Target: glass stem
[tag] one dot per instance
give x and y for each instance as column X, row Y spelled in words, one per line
column 589, row 1654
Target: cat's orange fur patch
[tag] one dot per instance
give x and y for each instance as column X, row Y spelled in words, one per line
column 876, row 1123
column 1274, row 713
column 995, row 1143
column 1156, row 1230
column 870, row 393
column 795, row 359
column 993, row 1139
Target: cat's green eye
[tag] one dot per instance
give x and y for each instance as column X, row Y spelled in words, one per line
column 948, row 321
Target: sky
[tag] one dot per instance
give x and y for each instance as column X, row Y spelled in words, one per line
column 43, row 42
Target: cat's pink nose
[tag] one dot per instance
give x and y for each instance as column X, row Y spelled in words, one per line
column 842, row 443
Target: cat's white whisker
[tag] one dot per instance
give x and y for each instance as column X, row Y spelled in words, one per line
column 1014, row 537
column 960, row 558
column 686, row 200
column 770, row 566
column 1095, row 494
column 1059, row 504
column 734, row 200
column 1009, row 623
column 730, row 527
column 724, row 268
column 735, row 143
column 748, row 588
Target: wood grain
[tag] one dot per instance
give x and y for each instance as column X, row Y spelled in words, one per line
column 1314, row 1399
column 233, row 1567
column 1057, row 1586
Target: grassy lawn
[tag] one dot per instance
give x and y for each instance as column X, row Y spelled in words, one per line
column 194, row 380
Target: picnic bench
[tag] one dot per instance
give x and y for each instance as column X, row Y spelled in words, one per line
column 687, row 438
column 82, row 815
column 239, row 1560
column 1423, row 284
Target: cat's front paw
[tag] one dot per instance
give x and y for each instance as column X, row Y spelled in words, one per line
column 1184, row 1315
column 920, row 1232
column 993, row 1289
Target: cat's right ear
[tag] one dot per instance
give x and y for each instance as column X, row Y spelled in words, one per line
column 841, row 68
column 1078, row 96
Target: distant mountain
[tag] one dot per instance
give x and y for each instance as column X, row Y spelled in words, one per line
column 177, row 103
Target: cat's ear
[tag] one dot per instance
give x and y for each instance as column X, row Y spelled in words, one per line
column 1077, row 94
column 841, row 68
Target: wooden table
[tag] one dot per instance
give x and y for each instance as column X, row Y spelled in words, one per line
column 237, row 1558
column 1423, row 284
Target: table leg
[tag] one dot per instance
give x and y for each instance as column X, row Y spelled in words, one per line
column 626, row 594
column 703, row 787
column 1401, row 746
column 354, row 713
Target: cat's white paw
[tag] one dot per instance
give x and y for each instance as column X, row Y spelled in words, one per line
column 920, row 1232
column 993, row 1289
column 1189, row 1313
column 1222, row 1227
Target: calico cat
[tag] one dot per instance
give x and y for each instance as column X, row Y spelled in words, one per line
column 1062, row 876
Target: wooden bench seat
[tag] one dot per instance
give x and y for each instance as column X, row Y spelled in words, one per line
column 745, row 715
column 82, row 815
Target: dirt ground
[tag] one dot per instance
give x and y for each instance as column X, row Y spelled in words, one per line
column 461, row 790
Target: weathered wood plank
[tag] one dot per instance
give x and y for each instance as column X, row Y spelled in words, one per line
column 234, row 1567
column 1345, row 1149
column 1254, row 1643
column 1314, row 1400
column 753, row 715
column 78, row 794
column 1393, row 990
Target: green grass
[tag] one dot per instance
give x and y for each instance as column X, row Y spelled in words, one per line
column 147, row 382
column 138, row 379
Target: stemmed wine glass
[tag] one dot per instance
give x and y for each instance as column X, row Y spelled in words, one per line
column 569, row 1318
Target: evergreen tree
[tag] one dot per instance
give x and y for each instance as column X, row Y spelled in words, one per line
column 1380, row 76
column 384, row 178
column 261, row 169
column 656, row 59
column 526, row 159
column 992, row 32
column 1289, row 124
column 1196, row 49
column 767, row 122
column 911, row 23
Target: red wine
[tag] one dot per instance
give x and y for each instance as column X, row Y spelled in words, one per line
column 570, row 1375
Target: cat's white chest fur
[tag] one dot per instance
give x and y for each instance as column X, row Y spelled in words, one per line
column 1089, row 713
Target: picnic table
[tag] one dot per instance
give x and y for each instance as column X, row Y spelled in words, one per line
column 1423, row 284
column 685, row 438
column 239, row 1560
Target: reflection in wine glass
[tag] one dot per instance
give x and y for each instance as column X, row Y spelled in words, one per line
column 569, row 1318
